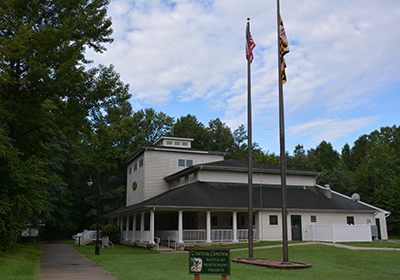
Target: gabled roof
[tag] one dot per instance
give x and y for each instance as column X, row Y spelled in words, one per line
column 227, row 196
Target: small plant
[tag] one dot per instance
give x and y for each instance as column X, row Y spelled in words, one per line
column 112, row 231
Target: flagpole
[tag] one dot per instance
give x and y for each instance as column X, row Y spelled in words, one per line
column 250, row 154
column 282, row 149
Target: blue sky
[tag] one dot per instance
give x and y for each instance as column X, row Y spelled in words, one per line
column 188, row 57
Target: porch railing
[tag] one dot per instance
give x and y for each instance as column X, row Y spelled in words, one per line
column 194, row 235
column 221, row 235
column 85, row 237
column 243, row 234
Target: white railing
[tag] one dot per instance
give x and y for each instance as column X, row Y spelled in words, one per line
column 243, row 234
column 339, row 233
column 221, row 235
column 194, row 235
column 86, row 237
column 169, row 238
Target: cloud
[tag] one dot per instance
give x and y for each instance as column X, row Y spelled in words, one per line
column 329, row 129
column 342, row 59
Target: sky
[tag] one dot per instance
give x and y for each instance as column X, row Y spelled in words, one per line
column 188, row 57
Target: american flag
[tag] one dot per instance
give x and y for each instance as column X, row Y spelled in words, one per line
column 252, row 46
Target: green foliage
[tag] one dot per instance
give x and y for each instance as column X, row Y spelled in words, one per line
column 112, row 231
column 23, row 191
column 189, row 127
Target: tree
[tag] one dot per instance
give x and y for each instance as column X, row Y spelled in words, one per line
column 49, row 100
column 300, row 159
column 22, row 190
column 377, row 174
column 326, row 158
column 219, row 136
column 189, row 127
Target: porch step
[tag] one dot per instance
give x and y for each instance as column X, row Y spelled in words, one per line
column 165, row 250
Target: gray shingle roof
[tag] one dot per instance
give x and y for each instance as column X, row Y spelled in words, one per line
column 235, row 196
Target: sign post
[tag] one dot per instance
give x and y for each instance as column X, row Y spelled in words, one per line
column 209, row 261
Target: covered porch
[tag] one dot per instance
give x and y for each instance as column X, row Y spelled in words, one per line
column 176, row 227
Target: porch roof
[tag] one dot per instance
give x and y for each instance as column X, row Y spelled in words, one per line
column 232, row 196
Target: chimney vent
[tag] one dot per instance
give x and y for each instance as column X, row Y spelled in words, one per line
column 327, row 192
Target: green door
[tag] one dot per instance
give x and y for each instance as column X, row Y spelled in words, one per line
column 296, row 227
column 378, row 227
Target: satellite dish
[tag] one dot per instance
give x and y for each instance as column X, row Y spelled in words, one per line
column 355, row 197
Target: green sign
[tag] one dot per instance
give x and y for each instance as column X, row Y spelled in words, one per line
column 29, row 231
column 209, row 261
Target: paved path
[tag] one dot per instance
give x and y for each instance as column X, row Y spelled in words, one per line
column 60, row 261
column 323, row 243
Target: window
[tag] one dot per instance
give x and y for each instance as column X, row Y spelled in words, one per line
column 254, row 220
column 169, row 142
column 134, row 185
column 242, row 221
column 214, row 221
column 177, row 143
column 184, row 143
column 273, row 219
column 130, row 170
column 141, row 163
column 135, row 167
column 313, row 218
column 350, row 220
column 185, row 162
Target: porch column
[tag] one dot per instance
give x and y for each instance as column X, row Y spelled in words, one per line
column 152, row 226
column 234, row 226
column 208, row 226
column 121, row 229
column 142, row 227
column 134, row 227
column 127, row 227
column 180, row 226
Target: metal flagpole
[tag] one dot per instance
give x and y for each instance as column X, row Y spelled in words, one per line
column 282, row 149
column 250, row 155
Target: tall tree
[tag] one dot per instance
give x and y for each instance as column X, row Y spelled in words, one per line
column 219, row 136
column 189, row 127
column 326, row 158
column 48, row 98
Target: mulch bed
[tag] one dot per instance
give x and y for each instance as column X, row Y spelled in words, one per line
column 274, row 264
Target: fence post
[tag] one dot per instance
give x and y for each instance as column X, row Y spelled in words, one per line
column 223, row 277
column 196, row 276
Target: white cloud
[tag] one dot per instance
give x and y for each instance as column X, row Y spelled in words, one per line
column 343, row 57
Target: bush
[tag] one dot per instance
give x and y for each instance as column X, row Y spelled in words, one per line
column 112, row 231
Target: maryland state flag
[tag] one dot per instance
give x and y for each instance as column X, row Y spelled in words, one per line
column 283, row 49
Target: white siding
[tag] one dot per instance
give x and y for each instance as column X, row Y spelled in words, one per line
column 242, row 177
column 138, row 195
column 157, row 165
column 274, row 232
column 382, row 219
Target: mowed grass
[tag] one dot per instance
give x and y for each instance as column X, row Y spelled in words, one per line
column 21, row 262
column 328, row 262
column 375, row 244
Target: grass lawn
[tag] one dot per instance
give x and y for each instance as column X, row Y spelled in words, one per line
column 21, row 262
column 375, row 244
column 328, row 262
column 246, row 245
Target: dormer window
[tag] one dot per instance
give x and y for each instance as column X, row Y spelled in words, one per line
column 169, row 142
column 185, row 162
column 177, row 143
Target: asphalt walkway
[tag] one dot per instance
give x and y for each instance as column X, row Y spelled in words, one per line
column 60, row 261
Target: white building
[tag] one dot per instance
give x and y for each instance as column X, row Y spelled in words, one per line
column 179, row 194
